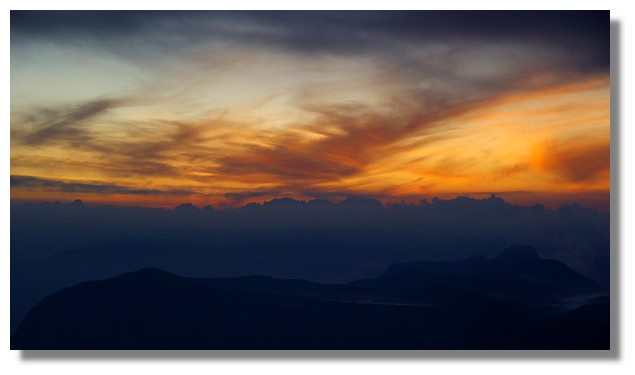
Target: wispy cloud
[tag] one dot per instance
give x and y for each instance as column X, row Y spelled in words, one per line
column 252, row 194
column 375, row 103
column 30, row 182
column 61, row 124
column 579, row 163
column 583, row 34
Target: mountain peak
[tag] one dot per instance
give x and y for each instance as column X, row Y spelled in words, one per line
column 518, row 253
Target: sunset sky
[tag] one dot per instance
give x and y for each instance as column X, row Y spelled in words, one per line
column 225, row 108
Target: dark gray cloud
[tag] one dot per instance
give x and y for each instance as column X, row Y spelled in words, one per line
column 50, row 125
column 31, row 182
column 135, row 154
column 583, row 35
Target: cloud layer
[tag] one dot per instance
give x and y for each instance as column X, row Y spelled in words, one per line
column 385, row 104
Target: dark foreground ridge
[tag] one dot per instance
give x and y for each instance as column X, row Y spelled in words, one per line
column 514, row 301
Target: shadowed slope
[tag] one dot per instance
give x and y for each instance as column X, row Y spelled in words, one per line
column 518, row 273
column 421, row 305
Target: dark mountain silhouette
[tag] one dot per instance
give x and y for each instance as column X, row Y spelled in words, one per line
column 57, row 245
column 186, row 207
column 283, row 202
column 517, row 274
column 420, row 305
column 361, row 201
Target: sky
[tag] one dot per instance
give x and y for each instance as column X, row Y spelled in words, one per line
column 226, row 108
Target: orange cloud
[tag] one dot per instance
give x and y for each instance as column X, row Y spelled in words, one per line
column 552, row 139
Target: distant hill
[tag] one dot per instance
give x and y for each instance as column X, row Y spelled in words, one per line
column 474, row 303
column 518, row 273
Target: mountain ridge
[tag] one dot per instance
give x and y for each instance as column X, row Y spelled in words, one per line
column 154, row 309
